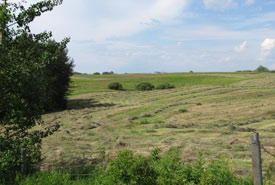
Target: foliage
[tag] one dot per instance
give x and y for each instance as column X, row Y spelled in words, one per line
column 165, row 86
column 27, row 63
column 115, row 86
column 58, row 72
column 145, row 86
column 96, row 73
column 46, row 178
column 108, row 73
column 167, row 169
column 261, row 69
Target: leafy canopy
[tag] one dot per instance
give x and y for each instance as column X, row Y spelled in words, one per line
column 26, row 63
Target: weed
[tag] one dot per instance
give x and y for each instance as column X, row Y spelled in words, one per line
column 144, row 122
column 150, row 131
column 160, row 122
column 183, row 110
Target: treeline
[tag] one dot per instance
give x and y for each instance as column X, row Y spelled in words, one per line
column 260, row 69
column 97, row 73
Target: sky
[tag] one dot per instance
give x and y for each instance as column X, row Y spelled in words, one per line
column 146, row 36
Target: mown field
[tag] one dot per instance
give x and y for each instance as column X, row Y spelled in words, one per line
column 212, row 113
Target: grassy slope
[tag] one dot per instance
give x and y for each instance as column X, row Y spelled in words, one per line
column 232, row 106
column 83, row 84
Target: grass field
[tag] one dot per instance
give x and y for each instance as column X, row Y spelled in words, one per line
column 212, row 113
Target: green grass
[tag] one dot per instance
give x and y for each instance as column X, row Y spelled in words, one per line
column 82, row 84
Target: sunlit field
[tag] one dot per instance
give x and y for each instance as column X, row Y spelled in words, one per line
column 212, row 113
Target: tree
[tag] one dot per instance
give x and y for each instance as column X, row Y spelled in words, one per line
column 262, row 69
column 58, row 71
column 27, row 62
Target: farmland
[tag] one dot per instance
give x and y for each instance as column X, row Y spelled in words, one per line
column 220, row 112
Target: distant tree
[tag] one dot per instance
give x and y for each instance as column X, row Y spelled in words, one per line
column 96, row 73
column 108, row 73
column 262, row 69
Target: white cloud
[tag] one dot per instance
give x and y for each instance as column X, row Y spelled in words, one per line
column 220, row 4
column 213, row 32
column 160, row 11
column 226, row 59
column 267, row 46
column 241, row 47
column 249, row 2
column 224, row 4
column 82, row 21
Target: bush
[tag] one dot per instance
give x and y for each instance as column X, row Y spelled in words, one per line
column 145, row 86
column 183, row 110
column 155, row 169
column 115, row 86
column 96, row 73
column 165, row 86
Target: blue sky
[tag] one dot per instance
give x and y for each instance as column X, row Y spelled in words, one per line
column 136, row 36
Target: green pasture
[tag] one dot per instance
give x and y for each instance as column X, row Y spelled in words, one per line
column 82, row 84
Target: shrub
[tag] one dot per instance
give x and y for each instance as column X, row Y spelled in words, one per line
column 96, row 73
column 145, row 86
column 128, row 168
column 199, row 104
column 183, row 110
column 115, row 86
column 165, row 86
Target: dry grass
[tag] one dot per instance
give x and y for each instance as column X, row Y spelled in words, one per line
column 219, row 121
